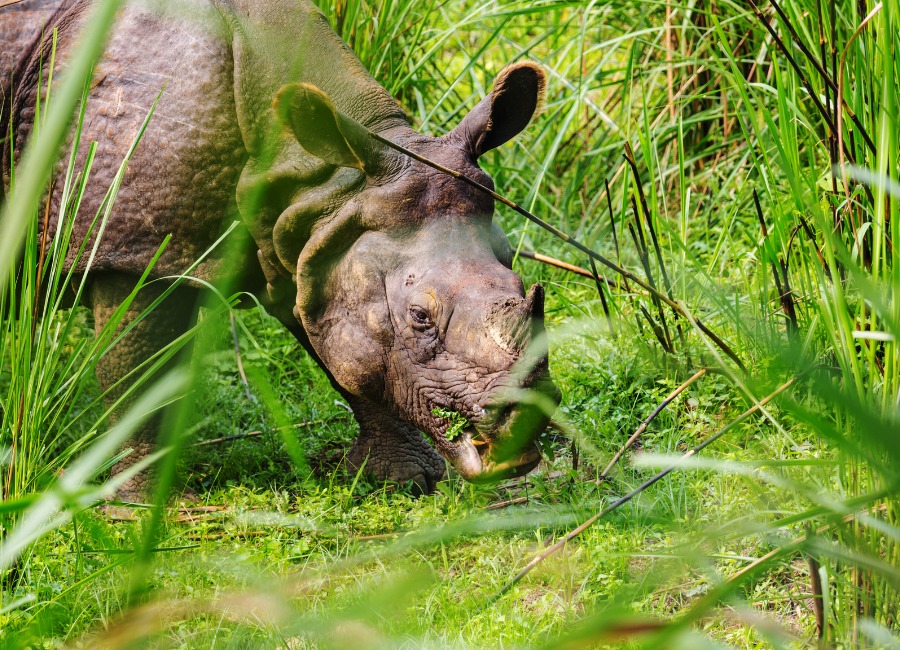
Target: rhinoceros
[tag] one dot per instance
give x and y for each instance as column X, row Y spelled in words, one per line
column 391, row 274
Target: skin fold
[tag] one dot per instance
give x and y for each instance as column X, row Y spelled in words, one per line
column 391, row 274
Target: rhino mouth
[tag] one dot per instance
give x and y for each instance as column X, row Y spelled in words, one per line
column 500, row 440
column 493, row 466
column 493, row 449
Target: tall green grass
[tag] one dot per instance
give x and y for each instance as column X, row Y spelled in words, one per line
column 55, row 434
column 762, row 193
column 44, row 358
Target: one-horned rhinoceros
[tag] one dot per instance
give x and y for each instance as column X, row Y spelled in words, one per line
column 390, row 273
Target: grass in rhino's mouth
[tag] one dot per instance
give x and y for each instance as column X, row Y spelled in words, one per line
column 457, row 422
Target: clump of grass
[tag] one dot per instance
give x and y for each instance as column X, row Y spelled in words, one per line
column 457, row 423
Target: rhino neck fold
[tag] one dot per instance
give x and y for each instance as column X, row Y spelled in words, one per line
column 284, row 193
column 276, row 43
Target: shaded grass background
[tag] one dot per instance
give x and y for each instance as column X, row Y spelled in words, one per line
column 714, row 112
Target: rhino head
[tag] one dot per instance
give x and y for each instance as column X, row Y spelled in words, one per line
column 406, row 292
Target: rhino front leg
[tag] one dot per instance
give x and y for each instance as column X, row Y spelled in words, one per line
column 156, row 330
column 395, row 450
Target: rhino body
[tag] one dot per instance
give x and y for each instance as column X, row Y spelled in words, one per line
column 389, row 273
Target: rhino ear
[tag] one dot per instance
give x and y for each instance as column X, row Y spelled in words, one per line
column 517, row 93
column 327, row 133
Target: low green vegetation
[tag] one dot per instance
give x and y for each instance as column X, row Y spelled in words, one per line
column 743, row 164
column 456, row 422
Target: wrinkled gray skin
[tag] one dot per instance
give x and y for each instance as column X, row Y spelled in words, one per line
column 390, row 273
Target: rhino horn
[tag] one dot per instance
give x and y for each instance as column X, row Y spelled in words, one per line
column 534, row 303
column 327, row 133
column 516, row 323
column 533, row 311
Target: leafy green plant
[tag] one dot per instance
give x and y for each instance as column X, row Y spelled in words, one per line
column 457, row 422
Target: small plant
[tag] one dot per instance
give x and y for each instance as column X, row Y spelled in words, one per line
column 458, row 422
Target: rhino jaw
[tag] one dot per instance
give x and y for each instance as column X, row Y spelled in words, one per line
column 478, row 460
column 502, row 441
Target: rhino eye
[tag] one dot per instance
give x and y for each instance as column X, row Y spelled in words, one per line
column 419, row 317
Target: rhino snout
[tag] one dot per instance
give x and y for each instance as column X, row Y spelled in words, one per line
column 502, row 441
